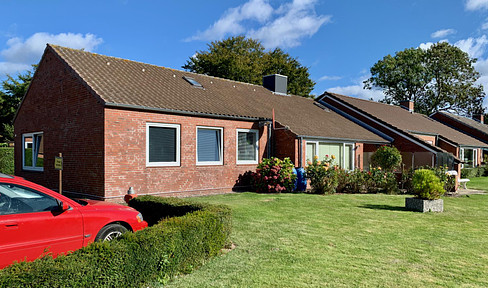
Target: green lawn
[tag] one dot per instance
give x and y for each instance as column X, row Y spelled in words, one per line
column 478, row 183
column 299, row 240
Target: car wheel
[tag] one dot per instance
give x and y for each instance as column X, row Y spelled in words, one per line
column 110, row 232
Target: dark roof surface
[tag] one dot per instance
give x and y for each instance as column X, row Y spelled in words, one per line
column 128, row 83
column 468, row 122
column 413, row 123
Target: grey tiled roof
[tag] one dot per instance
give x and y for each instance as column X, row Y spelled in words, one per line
column 483, row 128
column 128, row 83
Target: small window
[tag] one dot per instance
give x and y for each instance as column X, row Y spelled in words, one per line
column 209, row 146
column 247, row 146
column 193, row 82
column 33, row 151
column 469, row 157
column 16, row 199
column 343, row 153
column 162, row 144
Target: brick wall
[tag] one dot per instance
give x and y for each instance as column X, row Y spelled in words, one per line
column 286, row 144
column 71, row 120
column 125, row 156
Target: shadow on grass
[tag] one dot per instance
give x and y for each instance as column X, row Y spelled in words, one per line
column 384, row 207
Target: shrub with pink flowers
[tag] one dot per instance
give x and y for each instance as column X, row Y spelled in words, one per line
column 274, row 176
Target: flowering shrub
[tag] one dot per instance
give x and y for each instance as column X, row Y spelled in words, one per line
column 387, row 158
column 322, row 175
column 274, row 176
column 426, row 185
column 376, row 180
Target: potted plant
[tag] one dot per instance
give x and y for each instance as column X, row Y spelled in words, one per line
column 428, row 190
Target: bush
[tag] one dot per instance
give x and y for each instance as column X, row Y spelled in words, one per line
column 376, row 180
column 156, row 254
column 7, row 160
column 274, row 176
column 322, row 175
column 426, row 185
column 386, row 157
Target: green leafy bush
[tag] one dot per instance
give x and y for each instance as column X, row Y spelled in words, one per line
column 7, row 160
column 426, row 185
column 387, row 158
column 156, row 254
column 377, row 180
column 322, row 175
column 274, row 176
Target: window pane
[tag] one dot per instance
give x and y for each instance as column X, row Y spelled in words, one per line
column 208, row 145
column 246, row 146
column 331, row 149
column 348, row 156
column 468, row 158
column 310, row 151
column 38, row 150
column 28, row 151
column 162, row 144
column 17, row 200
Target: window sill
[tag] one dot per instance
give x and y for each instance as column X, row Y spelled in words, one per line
column 33, row 169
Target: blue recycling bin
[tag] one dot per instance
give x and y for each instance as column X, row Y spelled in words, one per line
column 301, row 181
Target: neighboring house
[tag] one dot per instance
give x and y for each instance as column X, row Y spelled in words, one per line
column 121, row 124
column 473, row 127
column 421, row 140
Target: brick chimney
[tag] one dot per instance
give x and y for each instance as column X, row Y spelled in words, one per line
column 276, row 83
column 479, row 117
column 407, row 105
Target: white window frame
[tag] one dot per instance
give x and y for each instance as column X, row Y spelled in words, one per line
column 163, row 164
column 221, row 148
column 30, row 168
column 475, row 156
column 256, row 160
column 344, row 144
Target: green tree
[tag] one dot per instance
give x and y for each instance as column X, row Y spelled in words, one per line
column 440, row 78
column 13, row 89
column 245, row 59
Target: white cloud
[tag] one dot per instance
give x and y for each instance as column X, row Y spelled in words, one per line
column 358, row 91
column 20, row 54
column 284, row 26
column 329, row 78
column 475, row 47
column 476, row 4
column 484, row 26
column 442, row 33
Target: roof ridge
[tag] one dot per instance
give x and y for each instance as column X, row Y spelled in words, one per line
column 370, row 101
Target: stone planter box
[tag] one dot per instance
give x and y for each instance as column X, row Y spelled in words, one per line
column 422, row 205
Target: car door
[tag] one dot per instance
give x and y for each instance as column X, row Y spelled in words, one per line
column 32, row 225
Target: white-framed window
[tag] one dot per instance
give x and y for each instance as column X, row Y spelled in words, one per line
column 33, row 151
column 247, row 146
column 162, row 144
column 469, row 157
column 343, row 152
column 209, row 145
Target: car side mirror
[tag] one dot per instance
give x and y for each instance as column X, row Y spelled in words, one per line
column 63, row 206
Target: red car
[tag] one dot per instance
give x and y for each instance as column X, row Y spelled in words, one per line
column 35, row 221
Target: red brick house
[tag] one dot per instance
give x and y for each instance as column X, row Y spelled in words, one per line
column 121, row 124
column 421, row 140
column 473, row 127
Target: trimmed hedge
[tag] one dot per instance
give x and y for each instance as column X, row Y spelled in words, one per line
column 155, row 254
column 473, row 172
column 7, row 160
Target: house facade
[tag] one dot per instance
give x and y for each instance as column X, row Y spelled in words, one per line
column 120, row 124
column 421, row 140
column 472, row 127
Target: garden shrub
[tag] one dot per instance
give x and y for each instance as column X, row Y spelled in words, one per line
column 7, row 160
column 244, row 182
column 386, row 157
column 379, row 181
column 322, row 175
column 274, row 176
column 426, row 185
column 156, row 254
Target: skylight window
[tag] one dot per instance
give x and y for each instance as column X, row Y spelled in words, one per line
column 193, row 82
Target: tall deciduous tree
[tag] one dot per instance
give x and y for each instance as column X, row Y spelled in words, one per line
column 13, row 89
column 244, row 59
column 440, row 78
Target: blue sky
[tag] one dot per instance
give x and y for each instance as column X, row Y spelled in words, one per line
column 338, row 40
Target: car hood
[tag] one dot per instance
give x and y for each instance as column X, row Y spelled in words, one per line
column 96, row 205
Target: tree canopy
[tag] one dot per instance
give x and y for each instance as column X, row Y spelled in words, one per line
column 245, row 59
column 440, row 78
column 13, row 89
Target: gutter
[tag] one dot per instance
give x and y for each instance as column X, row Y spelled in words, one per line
column 182, row 112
